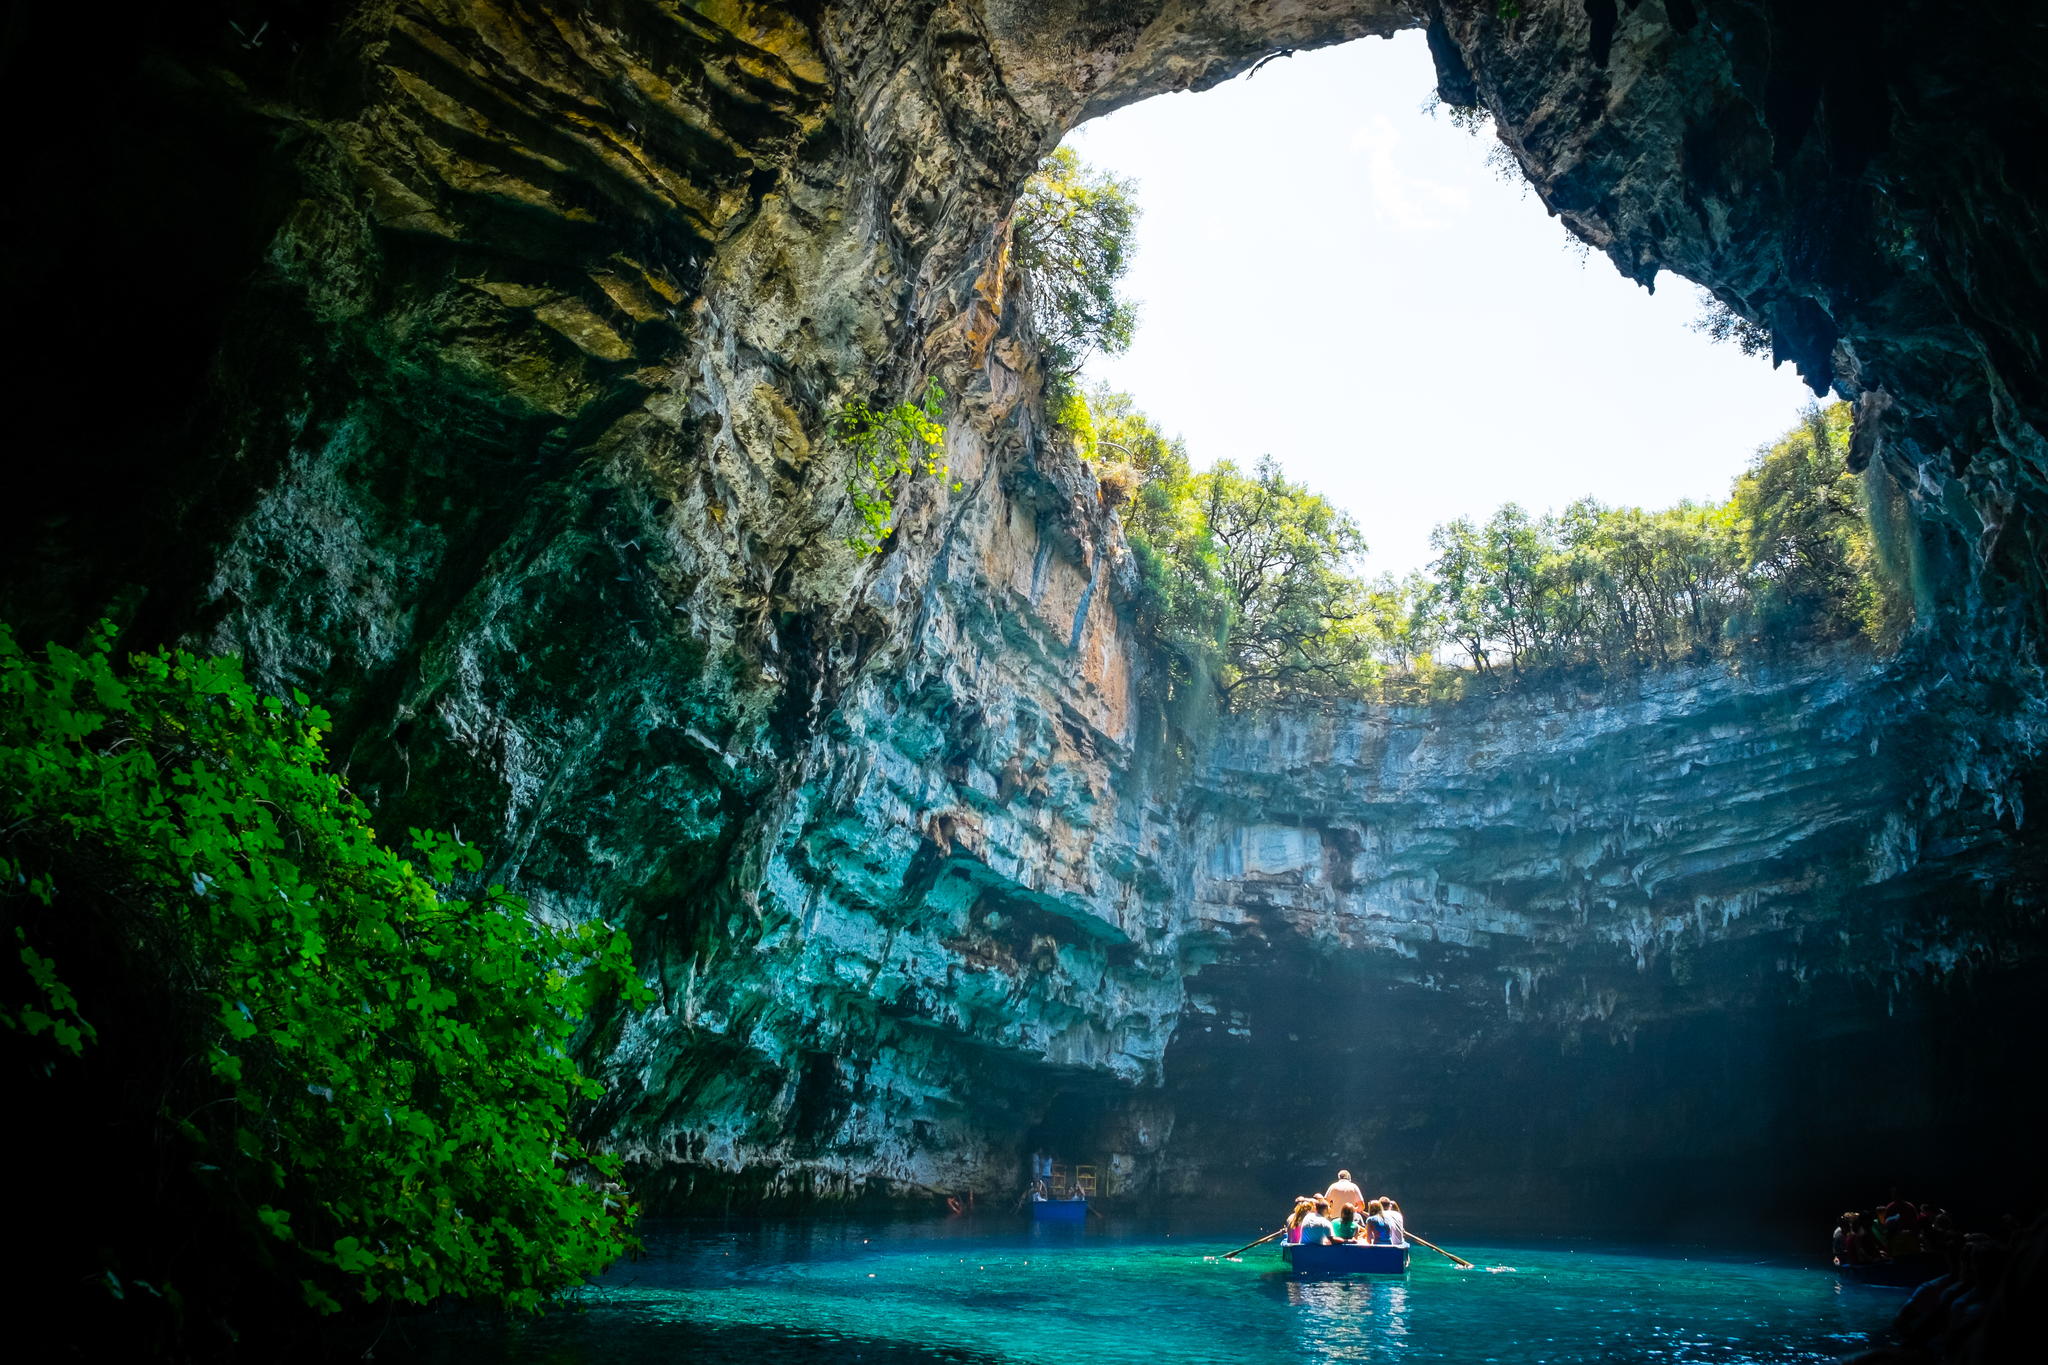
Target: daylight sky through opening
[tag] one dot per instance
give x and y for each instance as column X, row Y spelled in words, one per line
column 1328, row 274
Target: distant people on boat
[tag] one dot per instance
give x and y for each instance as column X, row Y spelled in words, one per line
column 1845, row 1234
column 1315, row 1220
column 1864, row 1247
column 1894, row 1207
column 1376, row 1222
column 1344, row 1194
column 1855, row 1243
column 1898, row 1230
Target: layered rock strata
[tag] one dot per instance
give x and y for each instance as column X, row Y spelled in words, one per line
column 1639, row 953
column 495, row 346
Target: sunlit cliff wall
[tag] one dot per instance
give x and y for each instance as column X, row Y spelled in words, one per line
column 1717, row 941
column 468, row 363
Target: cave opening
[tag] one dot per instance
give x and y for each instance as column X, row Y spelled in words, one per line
column 622, row 435
column 1714, row 1059
column 1332, row 267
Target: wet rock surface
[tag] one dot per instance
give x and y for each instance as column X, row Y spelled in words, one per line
column 487, row 398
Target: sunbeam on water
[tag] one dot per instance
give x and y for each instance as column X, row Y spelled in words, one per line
column 1140, row 1295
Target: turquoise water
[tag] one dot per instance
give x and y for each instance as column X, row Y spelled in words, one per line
column 992, row 1291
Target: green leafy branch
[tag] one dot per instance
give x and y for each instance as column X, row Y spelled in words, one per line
column 1074, row 230
column 384, row 1080
column 888, row 445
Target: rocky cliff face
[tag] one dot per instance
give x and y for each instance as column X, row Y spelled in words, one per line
column 1643, row 953
column 497, row 342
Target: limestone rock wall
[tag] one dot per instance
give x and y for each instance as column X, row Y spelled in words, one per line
column 469, row 363
column 1698, row 807
column 1638, row 952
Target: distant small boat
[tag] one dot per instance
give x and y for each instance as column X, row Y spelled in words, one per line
column 1908, row 1273
column 1059, row 1210
column 1346, row 1258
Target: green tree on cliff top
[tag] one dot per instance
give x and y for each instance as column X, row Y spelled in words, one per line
column 1247, row 588
column 1072, row 235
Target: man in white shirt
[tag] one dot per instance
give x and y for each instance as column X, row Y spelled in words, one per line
column 1343, row 1193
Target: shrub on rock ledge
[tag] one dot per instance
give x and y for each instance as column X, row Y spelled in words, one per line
column 297, row 1067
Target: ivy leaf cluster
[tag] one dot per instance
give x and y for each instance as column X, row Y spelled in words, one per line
column 888, row 445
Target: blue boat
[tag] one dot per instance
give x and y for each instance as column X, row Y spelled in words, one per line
column 1346, row 1258
column 1059, row 1210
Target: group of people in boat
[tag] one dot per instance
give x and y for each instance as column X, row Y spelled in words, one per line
column 1902, row 1230
column 1053, row 1182
column 1894, row 1232
column 1342, row 1213
column 1040, row 1193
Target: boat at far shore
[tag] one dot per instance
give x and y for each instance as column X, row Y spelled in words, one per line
column 1346, row 1258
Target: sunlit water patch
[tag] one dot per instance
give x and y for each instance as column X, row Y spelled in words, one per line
column 990, row 1292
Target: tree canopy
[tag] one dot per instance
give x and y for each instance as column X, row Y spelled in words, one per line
column 1247, row 578
column 1250, row 586
column 1072, row 235
column 1719, row 323
column 1791, row 556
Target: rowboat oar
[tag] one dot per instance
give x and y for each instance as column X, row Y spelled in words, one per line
column 1249, row 1245
column 1457, row 1260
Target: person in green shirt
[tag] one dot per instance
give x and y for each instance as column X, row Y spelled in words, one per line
column 1347, row 1226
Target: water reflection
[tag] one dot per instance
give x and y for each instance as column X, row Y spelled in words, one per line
column 1357, row 1319
column 1011, row 1294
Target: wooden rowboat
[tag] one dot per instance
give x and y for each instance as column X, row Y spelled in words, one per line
column 1345, row 1258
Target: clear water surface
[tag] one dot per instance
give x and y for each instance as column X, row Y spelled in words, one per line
column 994, row 1290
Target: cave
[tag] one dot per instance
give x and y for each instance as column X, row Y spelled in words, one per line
column 476, row 369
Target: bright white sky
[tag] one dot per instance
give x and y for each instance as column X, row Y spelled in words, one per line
column 1328, row 275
